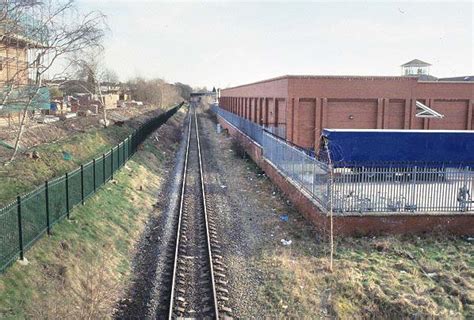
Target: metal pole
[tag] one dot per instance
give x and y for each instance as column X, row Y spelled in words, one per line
column 112, row 163
column 20, row 229
column 67, row 195
column 103, row 167
column 48, row 221
column 93, row 171
column 413, row 197
column 82, row 184
column 122, row 153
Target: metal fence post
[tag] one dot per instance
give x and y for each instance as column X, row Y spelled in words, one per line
column 93, row 172
column 329, row 188
column 414, row 171
column 67, row 195
column 125, row 154
column 123, row 151
column 82, row 184
column 112, row 163
column 118, row 156
column 20, row 229
column 103, row 168
column 48, row 221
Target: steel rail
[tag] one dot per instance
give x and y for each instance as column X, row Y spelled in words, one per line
column 178, row 231
column 208, row 237
column 180, row 214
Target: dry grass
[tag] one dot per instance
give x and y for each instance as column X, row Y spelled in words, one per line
column 387, row 277
column 82, row 269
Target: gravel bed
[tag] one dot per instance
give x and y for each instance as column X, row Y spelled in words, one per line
column 249, row 207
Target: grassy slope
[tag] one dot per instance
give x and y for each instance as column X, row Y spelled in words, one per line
column 384, row 277
column 80, row 270
column 82, row 146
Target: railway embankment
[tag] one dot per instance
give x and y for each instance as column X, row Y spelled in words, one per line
column 82, row 269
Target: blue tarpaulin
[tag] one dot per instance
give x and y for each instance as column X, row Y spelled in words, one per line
column 19, row 97
column 357, row 147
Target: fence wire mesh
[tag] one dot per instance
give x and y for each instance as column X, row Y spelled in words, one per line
column 23, row 221
column 403, row 189
column 251, row 129
column 308, row 173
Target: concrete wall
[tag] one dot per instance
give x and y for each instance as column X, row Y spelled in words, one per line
column 462, row 224
column 307, row 104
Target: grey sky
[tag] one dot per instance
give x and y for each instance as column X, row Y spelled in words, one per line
column 230, row 43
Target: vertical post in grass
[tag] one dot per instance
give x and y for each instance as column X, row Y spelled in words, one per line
column 48, row 221
column 118, row 156
column 112, row 163
column 123, row 149
column 93, row 171
column 82, row 184
column 20, row 229
column 67, row 195
column 103, row 167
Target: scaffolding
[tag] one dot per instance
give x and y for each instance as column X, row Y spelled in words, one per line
column 22, row 34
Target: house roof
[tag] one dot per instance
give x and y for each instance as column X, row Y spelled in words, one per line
column 416, row 63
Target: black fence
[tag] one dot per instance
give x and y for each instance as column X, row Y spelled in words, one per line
column 25, row 220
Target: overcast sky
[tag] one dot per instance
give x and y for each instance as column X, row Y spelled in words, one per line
column 228, row 43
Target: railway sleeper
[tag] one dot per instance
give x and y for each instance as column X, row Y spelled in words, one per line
column 222, row 282
column 225, row 309
column 223, row 290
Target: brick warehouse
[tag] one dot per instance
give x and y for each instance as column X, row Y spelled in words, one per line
column 304, row 105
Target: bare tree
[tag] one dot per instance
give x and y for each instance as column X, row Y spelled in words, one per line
column 109, row 76
column 147, row 90
column 58, row 30
column 89, row 67
column 185, row 90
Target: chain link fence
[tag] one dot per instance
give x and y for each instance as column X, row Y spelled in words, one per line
column 25, row 220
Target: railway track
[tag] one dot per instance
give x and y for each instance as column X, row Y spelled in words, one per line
column 198, row 281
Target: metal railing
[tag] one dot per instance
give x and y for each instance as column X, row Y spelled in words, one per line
column 279, row 131
column 25, row 220
column 421, row 188
column 306, row 172
column 385, row 188
column 251, row 129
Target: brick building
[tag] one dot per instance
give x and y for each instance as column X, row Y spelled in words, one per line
column 303, row 105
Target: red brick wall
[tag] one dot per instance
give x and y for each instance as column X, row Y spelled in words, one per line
column 395, row 115
column 355, row 114
column 304, row 119
column 307, row 104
